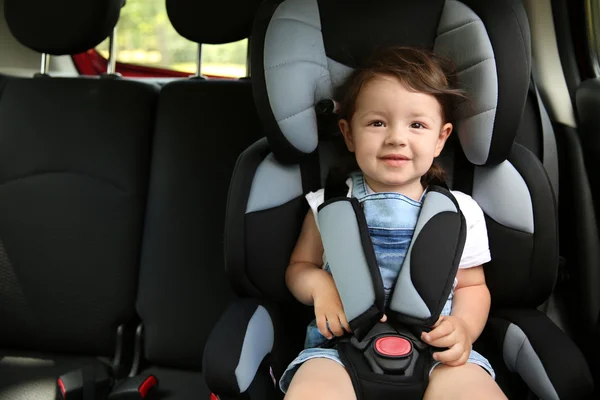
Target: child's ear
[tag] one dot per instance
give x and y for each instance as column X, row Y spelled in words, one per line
column 345, row 129
column 444, row 134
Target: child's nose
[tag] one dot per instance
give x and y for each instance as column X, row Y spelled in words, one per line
column 396, row 137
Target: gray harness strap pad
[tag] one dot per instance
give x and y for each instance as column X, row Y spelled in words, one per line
column 431, row 263
column 428, row 272
column 352, row 261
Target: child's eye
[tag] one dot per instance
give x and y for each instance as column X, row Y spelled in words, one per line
column 417, row 125
column 377, row 123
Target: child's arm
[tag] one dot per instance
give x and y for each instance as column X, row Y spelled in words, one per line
column 472, row 300
column 312, row 285
column 470, row 308
column 304, row 272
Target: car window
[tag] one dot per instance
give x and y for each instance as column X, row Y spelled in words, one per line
column 146, row 37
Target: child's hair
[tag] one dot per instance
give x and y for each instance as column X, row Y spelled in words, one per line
column 419, row 70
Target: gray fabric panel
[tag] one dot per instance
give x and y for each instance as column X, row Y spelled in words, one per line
column 274, row 184
column 476, row 145
column 295, row 63
column 346, row 258
column 338, row 71
column 463, row 38
column 483, row 90
column 258, row 342
column 520, row 357
column 406, row 299
column 503, row 195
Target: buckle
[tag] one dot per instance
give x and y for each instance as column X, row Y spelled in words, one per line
column 86, row 383
column 392, row 347
column 392, row 354
column 388, row 350
column 136, row 388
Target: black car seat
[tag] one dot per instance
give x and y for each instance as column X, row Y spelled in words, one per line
column 302, row 49
column 74, row 163
column 202, row 127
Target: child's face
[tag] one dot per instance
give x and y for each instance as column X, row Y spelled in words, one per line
column 395, row 134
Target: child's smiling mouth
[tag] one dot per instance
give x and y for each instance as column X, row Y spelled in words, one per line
column 395, row 160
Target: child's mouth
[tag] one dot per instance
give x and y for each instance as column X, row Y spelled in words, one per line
column 395, row 160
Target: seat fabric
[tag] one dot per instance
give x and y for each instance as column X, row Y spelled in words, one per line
column 202, row 127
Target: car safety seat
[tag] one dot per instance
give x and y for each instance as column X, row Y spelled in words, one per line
column 303, row 50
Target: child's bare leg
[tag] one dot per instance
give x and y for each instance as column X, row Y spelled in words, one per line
column 321, row 378
column 469, row 381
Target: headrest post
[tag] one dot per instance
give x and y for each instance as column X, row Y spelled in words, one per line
column 248, row 63
column 112, row 53
column 199, row 61
column 45, row 65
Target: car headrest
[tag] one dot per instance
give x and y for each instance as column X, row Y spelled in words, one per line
column 61, row 27
column 212, row 22
column 304, row 49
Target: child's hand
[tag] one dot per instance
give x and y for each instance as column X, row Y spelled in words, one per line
column 450, row 332
column 329, row 312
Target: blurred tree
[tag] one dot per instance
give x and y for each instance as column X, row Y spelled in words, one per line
column 144, row 29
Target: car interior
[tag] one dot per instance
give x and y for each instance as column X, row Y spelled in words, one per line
column 147, row 215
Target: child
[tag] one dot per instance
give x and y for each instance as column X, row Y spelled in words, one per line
column 395, row 118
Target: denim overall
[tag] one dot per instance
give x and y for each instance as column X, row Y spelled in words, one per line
column 391, row 219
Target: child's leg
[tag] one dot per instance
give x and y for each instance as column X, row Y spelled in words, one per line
column 320, row 378
column 469, row 381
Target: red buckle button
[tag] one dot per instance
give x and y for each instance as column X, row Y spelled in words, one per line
column 148, row 384
column 393, row 346
column 61, row 385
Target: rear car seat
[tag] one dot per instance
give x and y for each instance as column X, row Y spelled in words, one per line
column 202, row 127
column 74, row 162
column 3, row 80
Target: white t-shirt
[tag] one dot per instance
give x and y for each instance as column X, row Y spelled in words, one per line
column 476, row 251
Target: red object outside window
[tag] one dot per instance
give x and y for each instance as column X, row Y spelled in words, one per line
column 93, row 63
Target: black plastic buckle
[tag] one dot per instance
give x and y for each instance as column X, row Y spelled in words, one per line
column 87, row 383
column 136, row 388
column 390, row 351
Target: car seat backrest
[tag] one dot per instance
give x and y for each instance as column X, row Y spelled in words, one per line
column 3, row 80
column 202, row 127
column 74, row 158
column 304, row 50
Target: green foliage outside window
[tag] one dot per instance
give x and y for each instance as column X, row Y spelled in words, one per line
column 145, row 36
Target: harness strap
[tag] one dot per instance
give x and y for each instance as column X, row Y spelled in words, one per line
column 421, row 290
column 352, row 261
column 417, row 299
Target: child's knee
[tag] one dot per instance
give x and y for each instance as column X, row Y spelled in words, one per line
column 313, row 391
column 320, row 379
column 468, row 381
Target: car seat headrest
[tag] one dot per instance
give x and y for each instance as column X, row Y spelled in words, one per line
column 61, row 27
column 212, row 22
column 304, row 49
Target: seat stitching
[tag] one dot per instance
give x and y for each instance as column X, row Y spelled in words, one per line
column 296, row 61
column 482, row 112
column 293, row 115
column 457, row 27
column 296, row 20
column 474, row 65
